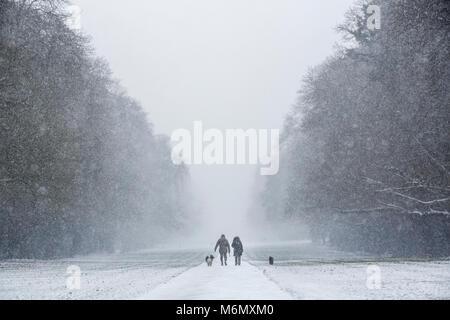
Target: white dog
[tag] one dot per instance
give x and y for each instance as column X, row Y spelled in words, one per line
column 209, row 260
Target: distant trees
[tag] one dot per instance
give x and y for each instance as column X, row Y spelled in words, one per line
column 80, row 167
column 368, row 146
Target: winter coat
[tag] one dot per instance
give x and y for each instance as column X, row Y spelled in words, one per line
column 223, row 244
column 237, row 246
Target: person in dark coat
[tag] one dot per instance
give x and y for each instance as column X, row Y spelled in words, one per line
column 238, row 250
column 224, row 248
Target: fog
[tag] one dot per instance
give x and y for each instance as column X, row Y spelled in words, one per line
column 230, row 64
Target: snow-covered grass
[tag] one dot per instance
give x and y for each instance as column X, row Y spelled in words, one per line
column 310, row 272
column 119, row 276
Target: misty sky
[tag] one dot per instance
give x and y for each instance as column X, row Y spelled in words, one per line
column 228, row 63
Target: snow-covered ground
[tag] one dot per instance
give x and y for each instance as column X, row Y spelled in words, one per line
column 301, row 271
column 124, row 276
column 217, row 282
column 309, row 272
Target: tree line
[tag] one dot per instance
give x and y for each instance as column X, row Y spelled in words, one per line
column 81, row 169
column 365, row 153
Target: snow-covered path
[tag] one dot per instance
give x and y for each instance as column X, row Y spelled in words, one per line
column 217, row 282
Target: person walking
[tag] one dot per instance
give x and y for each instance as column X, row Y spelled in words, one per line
column 238, row 249
column 224, row 249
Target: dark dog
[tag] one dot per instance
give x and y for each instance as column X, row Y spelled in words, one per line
column 209, row 260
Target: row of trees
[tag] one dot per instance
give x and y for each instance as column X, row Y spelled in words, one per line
column 80, row 167
column 366, row 150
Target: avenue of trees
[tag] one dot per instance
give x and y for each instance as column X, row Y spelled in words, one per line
column 80, row 167
column 365, row 154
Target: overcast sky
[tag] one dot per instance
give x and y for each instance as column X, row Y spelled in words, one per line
column 228, row 63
